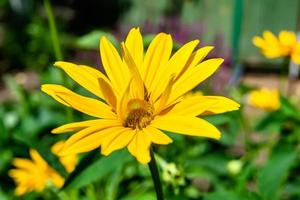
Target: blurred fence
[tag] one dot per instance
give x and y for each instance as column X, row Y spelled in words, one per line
column 224, row 17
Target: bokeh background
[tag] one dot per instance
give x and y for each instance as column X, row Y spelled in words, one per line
column 258, row 154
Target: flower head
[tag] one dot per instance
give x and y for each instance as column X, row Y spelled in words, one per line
column 140, row 95
column 34, row 175
column 264, row 98
column 285, row 44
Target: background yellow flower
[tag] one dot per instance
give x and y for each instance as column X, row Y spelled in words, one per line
column 285, row 44
column 264, row 98
column 34, row 175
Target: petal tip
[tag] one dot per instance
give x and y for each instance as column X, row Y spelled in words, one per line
column 55, row 131
column 61, row 64
column 144, row 161
column 45, row 88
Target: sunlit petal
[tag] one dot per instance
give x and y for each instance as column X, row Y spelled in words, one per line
column 186, row 125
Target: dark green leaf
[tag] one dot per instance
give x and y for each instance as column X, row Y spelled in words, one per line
column 230, row 195
column 271, row 120
column 95, row 168
column 272, row 175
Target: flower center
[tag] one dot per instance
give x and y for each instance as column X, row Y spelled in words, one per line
column 140, row 114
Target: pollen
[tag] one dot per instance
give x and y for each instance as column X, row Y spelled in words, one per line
column 140, row 114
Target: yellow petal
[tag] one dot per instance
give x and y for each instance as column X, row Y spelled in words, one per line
column 57, row 180
column 270, row 37
column 108, row 93
column 83, row 104
column 259, row 42
column 76, row 126
column 193, row 77
column 21, row 190
column 38, row 160
column 122, row 104
column 23, row 163
column 135, row 46
column 90, row 141
column 113, row 65
column 186, row 125
column 196, row 104
column 101, row 125
column 139, row 147
column 69, row 162
column 156, row 136
column 272, row 52
column 265, row 98
column 287, row 38
column 296, row 53
column 117, row 141
column 161, row 103
column 156, row 58
column 180, row 58
column 85, row 76
column 175, row 66
column 296, row 58
column 57, row 146
column 138, row 90
column 51, row 89
column 198, row 56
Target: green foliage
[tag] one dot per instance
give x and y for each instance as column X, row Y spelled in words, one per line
column 93, row 168
column 266, row 145
column 272, row 174
column 91, row 40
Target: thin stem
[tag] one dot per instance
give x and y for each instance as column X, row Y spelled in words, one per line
column 53, row 31
column 282, row 79
column 56, row 46
column 155, row 177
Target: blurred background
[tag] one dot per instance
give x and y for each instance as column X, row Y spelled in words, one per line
column 258, row 155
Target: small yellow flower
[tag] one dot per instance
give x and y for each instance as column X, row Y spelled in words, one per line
column 34, row 175
column 284, row 45
column 265, row 99
column 69, row 161
column 141, row 95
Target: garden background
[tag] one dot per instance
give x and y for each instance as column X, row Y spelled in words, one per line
column 258, row 154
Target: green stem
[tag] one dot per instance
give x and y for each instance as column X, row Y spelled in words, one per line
column 56, row 46
column 155, row 177
column 53, row 31
column 282, row 80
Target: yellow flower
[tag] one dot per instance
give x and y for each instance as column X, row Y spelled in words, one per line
column 265, row 99
column 141, row 95
column 34, row 175
column 285, row 44
column 69, row 161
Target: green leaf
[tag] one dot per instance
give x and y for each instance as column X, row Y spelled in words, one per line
column 272, row 120
column 144, row 196
column 273, row 173
column 3, row 131
column 229, row 195
column 84, row 163
column 91, row 40
column 113, row 182
column 288, row 109
column 93, row 168
column 208, row 162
